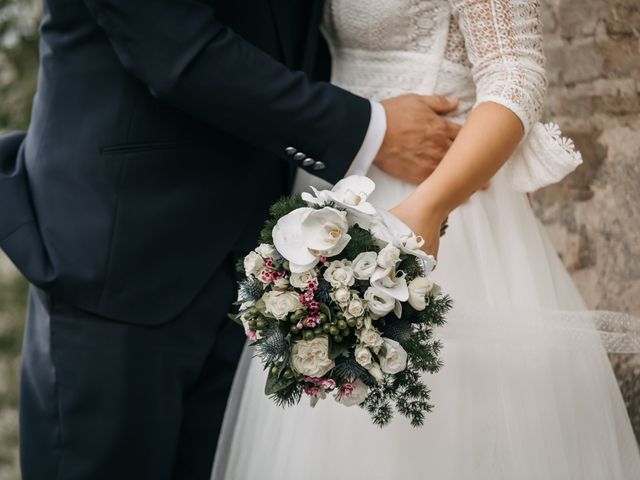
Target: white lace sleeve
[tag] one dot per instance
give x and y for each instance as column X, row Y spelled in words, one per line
column 503, row 39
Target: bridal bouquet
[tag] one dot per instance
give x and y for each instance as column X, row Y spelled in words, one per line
column 337, row 300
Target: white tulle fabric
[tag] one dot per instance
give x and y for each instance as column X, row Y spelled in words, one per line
column 527, row 391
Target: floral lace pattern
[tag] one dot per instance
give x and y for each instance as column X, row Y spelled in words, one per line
column 474, row 50
column 504, row 45
column 497, row 42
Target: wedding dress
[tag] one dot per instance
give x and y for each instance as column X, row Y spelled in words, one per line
column 526, row 391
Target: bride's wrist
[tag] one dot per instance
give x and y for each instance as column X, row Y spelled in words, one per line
column 429, row 207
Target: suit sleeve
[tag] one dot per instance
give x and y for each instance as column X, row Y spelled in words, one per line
column 190, row 60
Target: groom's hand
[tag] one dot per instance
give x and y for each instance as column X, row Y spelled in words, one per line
column 417, row 136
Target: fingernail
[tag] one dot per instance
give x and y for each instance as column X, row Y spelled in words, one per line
column 451, row 99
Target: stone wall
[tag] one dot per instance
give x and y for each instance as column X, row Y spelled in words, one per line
column 593, row 217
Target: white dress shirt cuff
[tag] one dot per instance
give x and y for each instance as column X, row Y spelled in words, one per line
column 372, row 141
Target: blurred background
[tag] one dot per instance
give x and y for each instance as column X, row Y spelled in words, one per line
column 593, row 217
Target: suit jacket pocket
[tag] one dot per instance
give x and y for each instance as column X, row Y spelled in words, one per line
column 127, row 148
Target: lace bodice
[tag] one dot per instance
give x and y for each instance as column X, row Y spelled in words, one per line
column 474, row 50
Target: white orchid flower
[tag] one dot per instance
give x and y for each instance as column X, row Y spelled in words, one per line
column 324, row 231
column 306, row 234
column 288, row 240
column 350, row 193
column 390, row 229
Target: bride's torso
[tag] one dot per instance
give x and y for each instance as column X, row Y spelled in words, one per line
column 387, row 48
column 473, row 50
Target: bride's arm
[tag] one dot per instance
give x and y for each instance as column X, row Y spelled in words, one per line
column 504, row 43
column 486, row 141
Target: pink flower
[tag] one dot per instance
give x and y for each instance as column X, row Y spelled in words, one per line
column 270, row 276
column 310, row 390
column 328, row 384
column 346, row 389
column 251, row 334
column 310, row 322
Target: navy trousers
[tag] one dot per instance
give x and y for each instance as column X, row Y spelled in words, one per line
column 108, row 400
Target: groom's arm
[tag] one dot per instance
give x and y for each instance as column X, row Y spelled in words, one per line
column 189, row 59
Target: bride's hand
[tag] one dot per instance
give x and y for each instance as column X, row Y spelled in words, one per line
column 424, row 221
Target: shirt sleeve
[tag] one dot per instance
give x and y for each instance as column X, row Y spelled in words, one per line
column 372, row 141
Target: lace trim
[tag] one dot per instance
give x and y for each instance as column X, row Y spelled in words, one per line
column 553, row 129
column 543, row 158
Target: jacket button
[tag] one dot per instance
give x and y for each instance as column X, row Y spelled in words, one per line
column 319, row 166
column 299, row 156
column 307, row 162
column 290, row 150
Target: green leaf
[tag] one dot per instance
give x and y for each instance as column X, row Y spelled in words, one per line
column 336, row 349
column 327, row 311
column 276, row 382
column 361, row 241
column 240, row 265
column 235, row 318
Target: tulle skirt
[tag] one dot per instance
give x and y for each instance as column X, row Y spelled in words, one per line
column 526, row 391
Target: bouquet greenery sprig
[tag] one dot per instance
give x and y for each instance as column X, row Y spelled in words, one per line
column 337, row 300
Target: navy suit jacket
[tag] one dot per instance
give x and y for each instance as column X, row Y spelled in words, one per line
column 158, row 139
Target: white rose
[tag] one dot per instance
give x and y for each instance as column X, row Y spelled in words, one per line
column 355, row 307
column 419, row 288
column 370, row 337
column 253, row 264
column 364, row 265
column 267, row 251
column 300, row 280
column 389, row 256
column 390, row 282
column 311, row 357
column 376, row 372
column 363, row 356
column 378, row 302
column 342, row 295
column 339, row 274
column 394, row 359
column 279, row 303
column 356, row 395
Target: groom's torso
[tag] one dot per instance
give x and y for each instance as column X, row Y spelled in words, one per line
column 138, row 202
